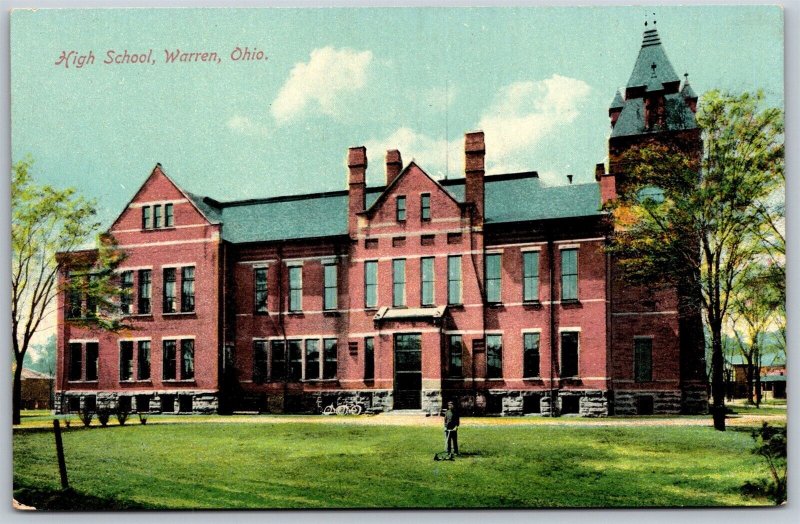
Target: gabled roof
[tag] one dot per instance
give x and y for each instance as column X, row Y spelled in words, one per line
column 193, row 199
column 651, row 53
column 371, row 207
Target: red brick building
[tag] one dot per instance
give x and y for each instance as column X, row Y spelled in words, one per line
column 494, row 291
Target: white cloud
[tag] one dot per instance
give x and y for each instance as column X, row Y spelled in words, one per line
column 246, row 126
column 523, row 113
column 320, row 82
column 436, row 156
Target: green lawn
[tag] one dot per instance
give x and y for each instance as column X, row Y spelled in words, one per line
column 298, row 464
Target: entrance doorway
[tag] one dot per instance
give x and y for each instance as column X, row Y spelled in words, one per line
column 407, row 371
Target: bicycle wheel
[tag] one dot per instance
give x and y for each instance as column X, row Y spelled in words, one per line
column 329, row 410
column 341, row 409
column 356, row 409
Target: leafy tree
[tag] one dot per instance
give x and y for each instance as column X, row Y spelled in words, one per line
column 770, row 443
column 46, row 221
column 680, row 218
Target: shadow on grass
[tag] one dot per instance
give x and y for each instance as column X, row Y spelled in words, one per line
column 70, row 500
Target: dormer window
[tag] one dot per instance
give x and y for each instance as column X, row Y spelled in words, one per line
column 401, row 209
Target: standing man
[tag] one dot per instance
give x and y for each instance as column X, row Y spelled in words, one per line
column 451, row 422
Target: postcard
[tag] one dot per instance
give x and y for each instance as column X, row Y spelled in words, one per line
column 398, row 258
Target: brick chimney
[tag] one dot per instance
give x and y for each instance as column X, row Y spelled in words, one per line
column 474, row 170
column 357, row 186
column 608, row 186
column 394, row 164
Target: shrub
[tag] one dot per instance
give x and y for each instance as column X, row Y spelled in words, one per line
column 102, row 416
column 770, row 444
column 122, row 416
column 86, row 416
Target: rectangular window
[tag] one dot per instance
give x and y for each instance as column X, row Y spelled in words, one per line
column 331, row 287
column 169, row 360
column 493, row 282
column 531, row 355
column 259, row 361
column 312, row 359
column 427, row 284
column 145, row 283
column 126, row 360
column 75, row 361
column 569, row 354
column 278, row 360
column 156, row 217
column 295, row 288
column 143, row 360
column 126, row 298
column 295, row 360
column 260, row 278
column 401, row 208
column 170, row 302
column 187, row 359
column 569, row 274
column 146, row 223
column 494, row 356
column 453, row 238
column 187, row 289
column 455, row 353
column 643, row 359
column 371, row 284
column 330, row 355
column 425, row 206
column 169, row 217
column 427, row 240
column 75, row 298
column 369, row 358
column 530, row 276
column 399, row 282
column 92, row 356
column 454, row 279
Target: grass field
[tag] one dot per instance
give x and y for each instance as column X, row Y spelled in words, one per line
column 296, row 463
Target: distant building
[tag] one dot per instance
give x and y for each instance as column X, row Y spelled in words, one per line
column 37, row 390
column 494, row 291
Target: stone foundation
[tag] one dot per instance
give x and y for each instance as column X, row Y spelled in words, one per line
column 173, row 402
column 694, row 401
column 647, row 402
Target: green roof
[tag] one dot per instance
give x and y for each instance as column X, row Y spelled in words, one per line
column 618, row 102
column 687, row 91
column 509, row 198
column 631, row 120
column 651, row 53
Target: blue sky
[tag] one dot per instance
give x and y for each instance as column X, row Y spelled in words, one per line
column 538, row 81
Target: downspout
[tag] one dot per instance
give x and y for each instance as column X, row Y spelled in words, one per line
column 281, row 324
column 551, row 256
column 482, row 293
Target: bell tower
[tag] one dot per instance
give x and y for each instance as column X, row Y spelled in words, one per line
column 654, row 108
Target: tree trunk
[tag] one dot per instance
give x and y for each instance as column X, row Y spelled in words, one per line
column 717, row 376
column 750, row 367
column 17, row 395
column 758, row 379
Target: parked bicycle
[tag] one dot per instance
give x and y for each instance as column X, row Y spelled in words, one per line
column 344, row 408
